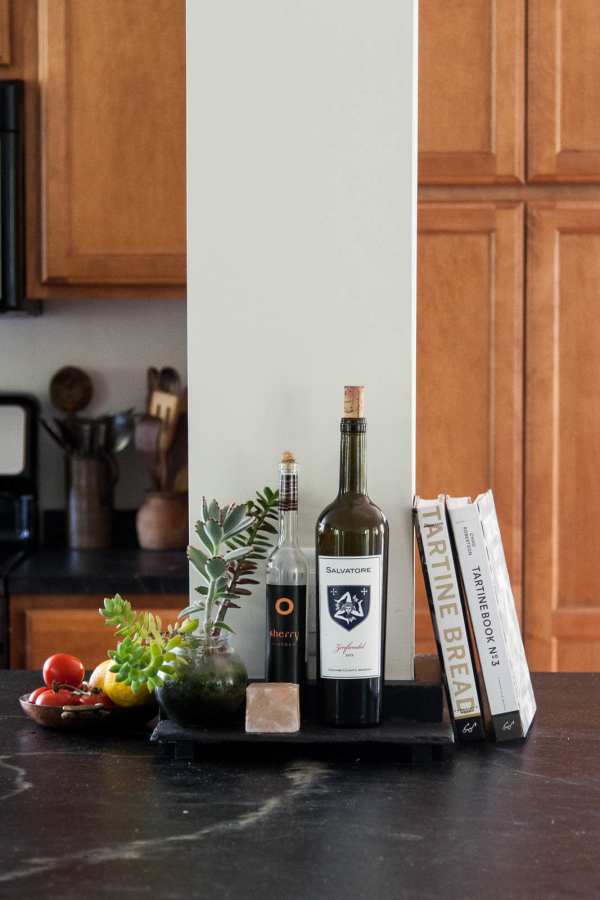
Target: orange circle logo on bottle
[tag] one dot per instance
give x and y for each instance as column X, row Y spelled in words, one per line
column 288, row 608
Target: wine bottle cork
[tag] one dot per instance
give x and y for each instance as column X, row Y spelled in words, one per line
column 353, row 401
column 288, row 460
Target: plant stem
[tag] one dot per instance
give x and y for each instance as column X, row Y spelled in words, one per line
column 252, row 534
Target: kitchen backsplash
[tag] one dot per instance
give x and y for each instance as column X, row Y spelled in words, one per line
column 114, row 341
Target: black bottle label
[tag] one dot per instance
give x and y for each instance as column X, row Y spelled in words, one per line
column 286, row 633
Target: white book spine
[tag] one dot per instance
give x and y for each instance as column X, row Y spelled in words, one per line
column 483, row 607
column 450, row 625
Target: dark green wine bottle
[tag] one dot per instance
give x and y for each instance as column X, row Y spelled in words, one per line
column 352, row 562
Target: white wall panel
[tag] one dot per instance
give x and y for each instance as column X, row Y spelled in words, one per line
column 301, row 261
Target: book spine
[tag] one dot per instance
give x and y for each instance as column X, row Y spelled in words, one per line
column 487, row 625
column 449, row 625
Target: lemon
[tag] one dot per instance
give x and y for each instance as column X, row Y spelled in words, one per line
column 99, row 674
column 122, row 695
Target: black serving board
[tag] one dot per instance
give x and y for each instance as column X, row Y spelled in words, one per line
column 412, row 722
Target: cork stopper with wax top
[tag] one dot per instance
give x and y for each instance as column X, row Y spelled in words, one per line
column 354, row 401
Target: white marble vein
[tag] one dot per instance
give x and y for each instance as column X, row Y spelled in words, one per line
column 19, row 781
column 303, row 777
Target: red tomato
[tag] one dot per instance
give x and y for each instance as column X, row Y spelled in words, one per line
column 92, row 699
column 63, row 669
column 35, row 694
column 56, row 698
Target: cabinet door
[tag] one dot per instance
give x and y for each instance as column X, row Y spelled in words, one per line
column 41, row 625
column 564, row 90
column 470, row 366
column 5, row 55
column 562, row 529
column 112, row 80
column 471, row 91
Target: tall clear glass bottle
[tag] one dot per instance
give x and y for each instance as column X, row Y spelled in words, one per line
column 287, row 577
column 352, row 563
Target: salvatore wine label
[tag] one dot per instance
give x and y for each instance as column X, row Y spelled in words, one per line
column 350, row 616
column 286, row 633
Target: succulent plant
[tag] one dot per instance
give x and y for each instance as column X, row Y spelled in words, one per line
column 243, row 530
column 146, row 653
column 233, row 539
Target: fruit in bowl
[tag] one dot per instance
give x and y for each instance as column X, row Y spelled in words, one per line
column 67, row 701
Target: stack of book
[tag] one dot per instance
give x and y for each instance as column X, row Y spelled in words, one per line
column 466, row 579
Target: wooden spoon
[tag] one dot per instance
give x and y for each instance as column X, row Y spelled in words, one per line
column 147, row 431
column 152, row 378
column 166, row 408
column 71, row 390
column 169, row 381
column 177, row 454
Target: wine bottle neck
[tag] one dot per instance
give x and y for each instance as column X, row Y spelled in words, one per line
column 288, row 504
column 288, row 527
column 353, row 457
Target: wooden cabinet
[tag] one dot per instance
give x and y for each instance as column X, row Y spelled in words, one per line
column 467, row 49
column 112, row 90
column 564, row 91
column 470, row 366
column 41, row 625
column 471, row 91
column 563, row 437
column 5, row 31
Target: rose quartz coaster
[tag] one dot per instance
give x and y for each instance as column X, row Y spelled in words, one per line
column 272, row 708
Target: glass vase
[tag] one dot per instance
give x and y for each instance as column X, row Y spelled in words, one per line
column 209, row 690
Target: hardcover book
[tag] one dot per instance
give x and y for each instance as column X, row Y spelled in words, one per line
column 493, row 614
column 447, row 615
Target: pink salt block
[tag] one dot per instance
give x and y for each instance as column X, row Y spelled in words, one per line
column 272, row 708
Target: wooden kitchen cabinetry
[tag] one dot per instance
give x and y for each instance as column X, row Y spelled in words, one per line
column 112, row 90
column 471, row 91
column 556, row 480
column 564, row 91
column 41, row 625
column 563, row 436
column 470, row 366
column 104, row 144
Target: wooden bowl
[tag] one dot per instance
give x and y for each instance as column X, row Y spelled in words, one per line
column 97, row 716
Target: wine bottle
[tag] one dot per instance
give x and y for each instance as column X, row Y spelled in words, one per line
column 352, row 561
column 287, row 575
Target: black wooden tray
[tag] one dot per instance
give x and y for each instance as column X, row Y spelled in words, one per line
column 412, row 723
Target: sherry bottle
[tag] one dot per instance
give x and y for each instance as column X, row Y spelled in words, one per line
column 287, row 576
column 352, row 561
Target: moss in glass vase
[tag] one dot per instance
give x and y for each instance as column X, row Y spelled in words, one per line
column 208, row 691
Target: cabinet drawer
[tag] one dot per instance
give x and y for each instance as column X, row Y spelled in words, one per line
column 41, row 625
column 79, row 632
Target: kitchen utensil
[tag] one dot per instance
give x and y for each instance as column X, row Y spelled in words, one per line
column 100, row 436
column 169, row 381
column 98, row 716
column 177, row 453
column 86, row 431
column 183, row 401
column 147, row 430
column 180, row 483
column 166, row 408
column 70, row 390
column 120, row 429
column 152, row 379
column 50, row 426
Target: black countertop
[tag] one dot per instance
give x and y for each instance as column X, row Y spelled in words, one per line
column 101, row 571
column 112, row 817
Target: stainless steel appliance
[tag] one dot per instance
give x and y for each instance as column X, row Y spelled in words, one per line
column 18, row 495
